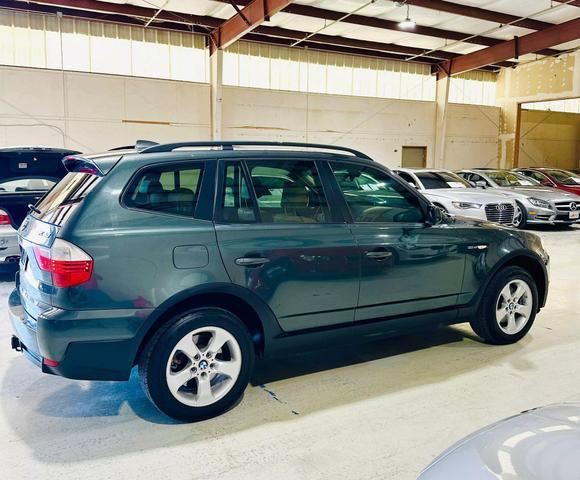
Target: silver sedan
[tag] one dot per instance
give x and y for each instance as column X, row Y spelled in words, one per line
column 535, row 204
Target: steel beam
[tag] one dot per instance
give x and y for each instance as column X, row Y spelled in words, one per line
column 534, row 42
column 479, row 13
column 375, row 22
column 252, row 15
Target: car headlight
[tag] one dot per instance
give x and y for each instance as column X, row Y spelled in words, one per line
column 465, row 205
column 537, row 202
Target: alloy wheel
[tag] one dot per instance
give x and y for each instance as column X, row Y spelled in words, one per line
column 518, row 216
column 203, row 366
column 514, row 306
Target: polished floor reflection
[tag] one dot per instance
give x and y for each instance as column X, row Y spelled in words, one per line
column 379, row 409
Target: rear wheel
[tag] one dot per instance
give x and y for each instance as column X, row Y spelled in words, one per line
column 520, row 216
column 199, row 365
column 508, row 307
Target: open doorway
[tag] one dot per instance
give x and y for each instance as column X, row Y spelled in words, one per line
column 550, row 134
column 414, row 157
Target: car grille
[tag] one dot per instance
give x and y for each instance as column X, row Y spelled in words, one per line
column 567, row 206
column 500, row 212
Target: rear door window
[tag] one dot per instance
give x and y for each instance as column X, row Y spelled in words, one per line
column 168, row 189
column 288, row 191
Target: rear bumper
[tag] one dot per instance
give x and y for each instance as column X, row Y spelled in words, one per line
column 9, row 250
column 83, row 345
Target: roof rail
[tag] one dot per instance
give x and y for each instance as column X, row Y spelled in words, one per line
column 169, row 147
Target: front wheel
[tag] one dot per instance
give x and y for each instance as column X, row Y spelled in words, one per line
column 199, row 365
column 508, row 307
column 520, row 216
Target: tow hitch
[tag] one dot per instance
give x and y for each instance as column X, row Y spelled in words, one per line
column 15, row 343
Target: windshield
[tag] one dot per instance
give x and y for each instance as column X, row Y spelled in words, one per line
column 435, row 180
column 565, row 177
column 511, row 179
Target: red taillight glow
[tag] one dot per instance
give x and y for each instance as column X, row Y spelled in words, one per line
column 68, row 264
column 50, row 363
column 4, row 218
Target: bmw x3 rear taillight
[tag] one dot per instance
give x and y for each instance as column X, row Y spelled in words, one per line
column 68, row 264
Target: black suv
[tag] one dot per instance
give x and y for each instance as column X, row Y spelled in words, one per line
column 191, row 259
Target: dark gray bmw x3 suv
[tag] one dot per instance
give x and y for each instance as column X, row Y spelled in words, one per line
column 191, row 259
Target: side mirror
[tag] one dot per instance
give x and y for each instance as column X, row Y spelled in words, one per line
column 414, row 185
column 546, row 183
column 434, row 215
column 481, row 184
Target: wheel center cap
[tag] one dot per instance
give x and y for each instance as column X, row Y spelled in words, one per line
column 203, row 365
column 512, row 307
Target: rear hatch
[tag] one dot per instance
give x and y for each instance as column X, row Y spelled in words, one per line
column 44, row 257
column 26, row 174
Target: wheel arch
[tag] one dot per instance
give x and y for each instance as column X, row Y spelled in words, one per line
column 530, row 262
column 247, row 306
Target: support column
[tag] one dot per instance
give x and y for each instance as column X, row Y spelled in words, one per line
column 216, row 87
column 509, row 134
column 441, row 110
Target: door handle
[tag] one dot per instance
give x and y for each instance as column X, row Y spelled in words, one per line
column 379, row 254
column 251, row 261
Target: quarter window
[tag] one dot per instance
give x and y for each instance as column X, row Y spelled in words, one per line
column 167, row 189
column 288, row 191
column 373, row 196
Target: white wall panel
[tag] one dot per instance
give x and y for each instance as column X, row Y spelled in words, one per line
column 100, row 111
column 103, row 111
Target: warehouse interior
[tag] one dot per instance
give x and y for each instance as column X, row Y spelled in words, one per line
column 437, row 84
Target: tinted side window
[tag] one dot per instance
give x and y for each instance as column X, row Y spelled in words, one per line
column 167, row 189
column 236, row 203
column 378, row 198
column 288, row 191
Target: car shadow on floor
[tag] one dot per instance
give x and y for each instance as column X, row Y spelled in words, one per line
column 63, row 420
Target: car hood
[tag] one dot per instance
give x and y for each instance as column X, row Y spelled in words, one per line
column 538, row 192
column 466, row 195
column 540, row 443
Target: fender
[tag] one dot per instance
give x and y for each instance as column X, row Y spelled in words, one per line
column 270, row 325
column 475, row 301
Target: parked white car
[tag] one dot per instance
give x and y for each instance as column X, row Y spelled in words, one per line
column 456, row 196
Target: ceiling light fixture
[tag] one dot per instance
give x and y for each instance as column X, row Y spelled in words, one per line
column 407, row 24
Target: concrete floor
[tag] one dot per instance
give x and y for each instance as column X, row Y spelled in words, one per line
column 378, row 411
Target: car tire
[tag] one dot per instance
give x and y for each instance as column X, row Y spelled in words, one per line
column 523, row 216
column 187, row 379
column 502, row 318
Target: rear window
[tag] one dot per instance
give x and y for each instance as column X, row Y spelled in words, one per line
column 169, row 189
column 61, row 201
column 16, row 185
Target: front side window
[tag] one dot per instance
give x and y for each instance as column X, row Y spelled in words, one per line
column 288, row 191
column 373, row 196
column 166, row 189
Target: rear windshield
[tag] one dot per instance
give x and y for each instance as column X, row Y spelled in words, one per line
column 34, row 184
column 61, row 201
